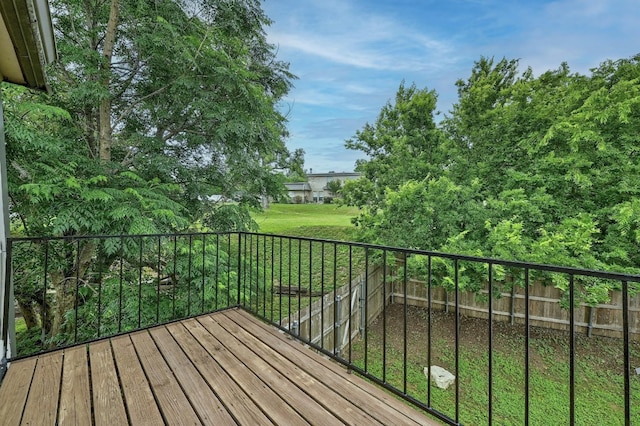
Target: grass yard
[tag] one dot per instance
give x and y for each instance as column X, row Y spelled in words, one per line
column 299, row 264
column 326, row 221
column 599, row 365
column 304, row 264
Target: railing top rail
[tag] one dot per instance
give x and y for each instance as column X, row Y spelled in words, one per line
column 104, row 237
column 619, row 276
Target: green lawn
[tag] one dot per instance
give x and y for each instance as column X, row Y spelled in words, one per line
column 312, row 263
column 326, row 221
column 599, row 390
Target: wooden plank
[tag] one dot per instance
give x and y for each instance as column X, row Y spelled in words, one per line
column 174, row 405
column 75, row 395
column 108, row 406
column 230, row 394
column 239, row 358
column 339, row 407
column 276, row 408
column 141, row 405
column 236, row 397
column 202, row 398
column 411, row 415
column 14, row 390
column 300, row 356
column 294, row 291
column 42, row 403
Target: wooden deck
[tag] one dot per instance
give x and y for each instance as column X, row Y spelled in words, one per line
column 218, row 369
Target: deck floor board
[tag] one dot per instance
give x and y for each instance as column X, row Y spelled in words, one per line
column 323, row 395
column 222, row 369
column 138, row 397
column 75, row 401
column 171, row 398
column 258, row 394
column 294, row 405
column 107, row 401
column 42, row 402
column 384, row 400
column 15, row 389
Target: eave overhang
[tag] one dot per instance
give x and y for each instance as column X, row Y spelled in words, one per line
column 26, row 42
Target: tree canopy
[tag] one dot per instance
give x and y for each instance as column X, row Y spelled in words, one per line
column 163, row 118
column 156, row 108
column 543, row 169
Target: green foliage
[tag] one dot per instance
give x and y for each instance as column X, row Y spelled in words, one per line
column 404, row 144
column 57, row 189
column 192, row 93
column 542, row 169
column 231, row 217
column 296, row 176
column 141, row 140
column 131, row 282
column 334, row 187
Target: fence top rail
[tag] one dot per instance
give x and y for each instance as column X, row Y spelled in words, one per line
column 618, row 276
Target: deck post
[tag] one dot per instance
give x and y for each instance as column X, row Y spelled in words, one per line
column 7, row 314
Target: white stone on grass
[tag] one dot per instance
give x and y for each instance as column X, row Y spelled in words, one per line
column 440, row 376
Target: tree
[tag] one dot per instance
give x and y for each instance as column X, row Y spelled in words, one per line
column 334, row 187
column 541, row 169
column 403, row 144
column 192, row 93
column 296, row 176
column 156, row 107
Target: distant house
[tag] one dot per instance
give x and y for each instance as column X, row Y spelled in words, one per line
column 318, row 183
column 299, row 189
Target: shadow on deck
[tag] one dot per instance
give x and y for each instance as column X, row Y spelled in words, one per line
column 217, row 369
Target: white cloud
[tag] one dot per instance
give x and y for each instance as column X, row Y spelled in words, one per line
column 344, row 34
column 314, row 97
column 360, row 89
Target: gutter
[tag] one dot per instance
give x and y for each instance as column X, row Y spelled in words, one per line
column 29, row 25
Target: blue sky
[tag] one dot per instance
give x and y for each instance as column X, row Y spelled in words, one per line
column 351, row 55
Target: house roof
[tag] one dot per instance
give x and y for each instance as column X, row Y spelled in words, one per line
column 27, row 42
column 334, row 174
column 298, row 186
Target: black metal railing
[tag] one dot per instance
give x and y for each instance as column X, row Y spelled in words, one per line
column 386, row 313
column 353, row 302
column 78, row 289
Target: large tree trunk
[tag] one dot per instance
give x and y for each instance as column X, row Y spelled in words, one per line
column 105, row 104
column 29, row 315
column 65, row 283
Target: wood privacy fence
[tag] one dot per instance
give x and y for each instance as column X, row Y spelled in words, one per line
column 544, row 307
column 341, row 315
